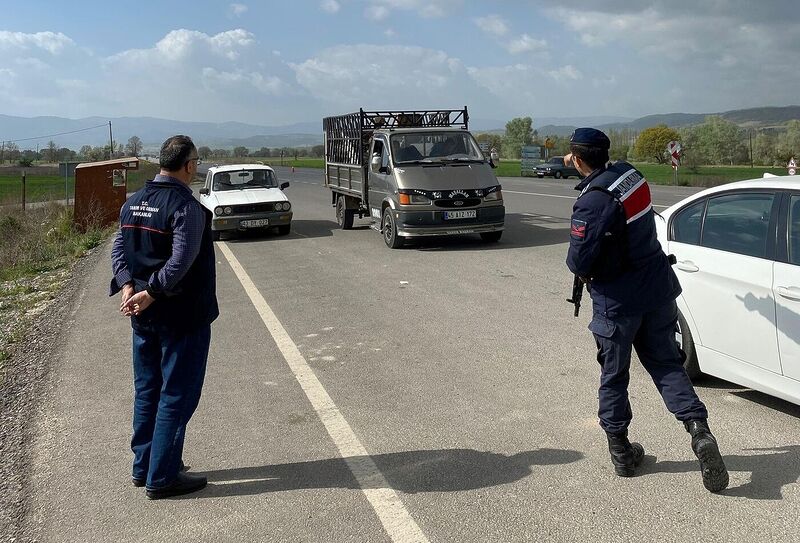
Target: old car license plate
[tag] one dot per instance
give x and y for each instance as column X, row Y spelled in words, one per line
column 462, row 214
column 255, row 223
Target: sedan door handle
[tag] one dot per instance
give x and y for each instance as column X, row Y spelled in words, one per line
column 687, row 266
column 793, row 293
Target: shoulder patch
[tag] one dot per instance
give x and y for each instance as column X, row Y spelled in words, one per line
column 578, row 229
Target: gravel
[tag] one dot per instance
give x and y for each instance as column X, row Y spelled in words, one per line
column 31, row 326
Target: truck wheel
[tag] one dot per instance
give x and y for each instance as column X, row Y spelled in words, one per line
column 389, row 230
column 491, row 237
column 683, row 337
column 557, row 175
column 284, row 229
column 215, row 235
column 344, row 216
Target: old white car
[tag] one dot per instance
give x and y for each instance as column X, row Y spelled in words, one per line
column 244, row 197
column 738, row 261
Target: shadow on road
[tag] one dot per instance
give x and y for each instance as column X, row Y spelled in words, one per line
column 780, row 466
column 528, row 230
column 441, row 470
column 300, row 229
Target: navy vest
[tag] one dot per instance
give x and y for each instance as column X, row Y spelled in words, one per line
column 146, row 222
column 631, row 273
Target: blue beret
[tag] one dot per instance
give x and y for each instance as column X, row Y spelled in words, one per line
column 590, row 137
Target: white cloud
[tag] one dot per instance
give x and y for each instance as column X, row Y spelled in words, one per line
column 379, row 10
column 330, row 6
column 494, row 25
column 352, row 76
column 237, row 10
column 52, row 42
column 526, row 44
column 565, row 73
column 390, row 33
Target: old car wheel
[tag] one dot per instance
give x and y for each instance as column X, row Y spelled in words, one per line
column 284, row 229
column 389, row 230
column 491, row 237
column 557, row 175
column 683, row 337
column 344, row 216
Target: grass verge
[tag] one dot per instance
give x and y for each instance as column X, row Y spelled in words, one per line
column 37, row 249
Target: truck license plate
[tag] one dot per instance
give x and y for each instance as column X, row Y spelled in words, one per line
column 463, row 214
column 255, row 223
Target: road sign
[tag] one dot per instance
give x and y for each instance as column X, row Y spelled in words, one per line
column 675, row 161
column 674, row 148
column 792, row 171
column 484, row 146
column 531, row 157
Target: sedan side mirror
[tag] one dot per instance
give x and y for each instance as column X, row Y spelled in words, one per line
column 204, row 191
column 285, row 185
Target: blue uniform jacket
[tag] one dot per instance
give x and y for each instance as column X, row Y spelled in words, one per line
column 613, row 244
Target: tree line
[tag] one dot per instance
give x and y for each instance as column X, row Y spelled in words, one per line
column 715, row 141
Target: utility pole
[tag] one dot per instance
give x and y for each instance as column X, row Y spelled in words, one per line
column 3, row 153
column 111, row 141
column 751, row 147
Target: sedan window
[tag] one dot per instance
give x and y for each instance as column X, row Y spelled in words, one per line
column 688, row 222
column 738, row 223
column 794, row 230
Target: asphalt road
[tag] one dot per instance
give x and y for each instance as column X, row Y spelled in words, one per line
column 450, row 375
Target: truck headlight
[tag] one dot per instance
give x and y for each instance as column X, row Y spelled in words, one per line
column 413, row 198
column 494, row 195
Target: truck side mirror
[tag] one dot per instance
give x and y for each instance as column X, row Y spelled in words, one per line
column 204, row 191
column 285, row 185
column 375, row 163
column 492, row 164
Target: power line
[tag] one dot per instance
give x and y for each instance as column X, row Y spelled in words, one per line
column 59, row 134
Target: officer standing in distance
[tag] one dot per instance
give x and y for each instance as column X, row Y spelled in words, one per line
column 614, row 249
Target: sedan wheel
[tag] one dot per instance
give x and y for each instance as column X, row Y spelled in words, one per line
column 557, row 175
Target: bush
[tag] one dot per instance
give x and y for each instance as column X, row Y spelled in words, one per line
column 25, row 162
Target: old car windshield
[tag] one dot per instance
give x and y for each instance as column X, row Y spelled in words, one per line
column 443, row 146
column 244, row 179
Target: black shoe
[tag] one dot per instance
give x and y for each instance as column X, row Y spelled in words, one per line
column 704, row 445
column 138, row 483
column 183, row 484
column 625, row 456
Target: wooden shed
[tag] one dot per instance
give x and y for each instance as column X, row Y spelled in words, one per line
column 100, row 190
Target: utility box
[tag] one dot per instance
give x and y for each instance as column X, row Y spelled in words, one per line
column 100, row 190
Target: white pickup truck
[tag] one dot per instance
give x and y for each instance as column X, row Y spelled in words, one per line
column 245, row 196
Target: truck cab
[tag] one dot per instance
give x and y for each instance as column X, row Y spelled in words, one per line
column 427, row 179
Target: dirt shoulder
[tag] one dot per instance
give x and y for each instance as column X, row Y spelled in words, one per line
column 35, row 313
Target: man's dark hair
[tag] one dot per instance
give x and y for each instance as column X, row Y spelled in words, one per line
column 175, row 152
column 594, row 157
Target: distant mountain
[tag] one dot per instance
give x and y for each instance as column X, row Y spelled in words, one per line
column 150, row 130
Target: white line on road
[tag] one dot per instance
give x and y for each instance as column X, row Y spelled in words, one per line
column 553, row 195
column 396, row 519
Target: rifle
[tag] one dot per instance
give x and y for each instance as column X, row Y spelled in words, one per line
column 577, row 294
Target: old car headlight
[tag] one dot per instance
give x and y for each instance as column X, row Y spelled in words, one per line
column 228, row 210
column 218, row 211
column 287, row 206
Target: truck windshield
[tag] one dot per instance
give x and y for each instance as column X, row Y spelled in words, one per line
column 244, row 179
column 439, row 146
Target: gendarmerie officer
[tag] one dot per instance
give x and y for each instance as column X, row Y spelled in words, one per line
column 614, row 249
column 163, row 262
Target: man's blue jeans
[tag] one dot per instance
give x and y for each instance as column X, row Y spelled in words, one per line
column 168, row 373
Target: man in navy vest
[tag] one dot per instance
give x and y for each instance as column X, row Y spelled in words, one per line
column 163, row 262
column 614, row 250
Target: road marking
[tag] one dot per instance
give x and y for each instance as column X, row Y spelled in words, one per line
column 552, row 195
column 396, row 519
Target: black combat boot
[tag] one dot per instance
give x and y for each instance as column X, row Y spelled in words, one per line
column 704, row 445
column 624, row 455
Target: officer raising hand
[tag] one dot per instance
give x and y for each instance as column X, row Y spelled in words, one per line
column 614, row 249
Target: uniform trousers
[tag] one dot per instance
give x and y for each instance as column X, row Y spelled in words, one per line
column 168, row 370
column 652, row 334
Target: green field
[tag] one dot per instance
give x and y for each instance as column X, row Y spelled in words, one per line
column 42, row 188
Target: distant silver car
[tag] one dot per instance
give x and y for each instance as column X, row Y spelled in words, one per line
column 554, row 167
column 244, row 197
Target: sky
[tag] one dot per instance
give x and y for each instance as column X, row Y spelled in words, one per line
column 277, row 63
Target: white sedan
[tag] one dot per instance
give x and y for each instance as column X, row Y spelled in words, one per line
column 738, row 260
column 245, row 196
